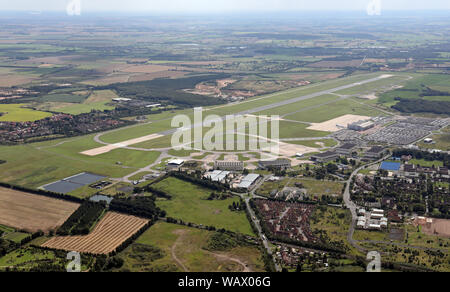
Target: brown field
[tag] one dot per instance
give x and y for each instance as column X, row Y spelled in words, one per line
column 14, row 80
column 108, row 80
column 161, row 74
column 146, row 68
column 433, row 226
column 336, row 64
column 109, row 233
column 30, row 212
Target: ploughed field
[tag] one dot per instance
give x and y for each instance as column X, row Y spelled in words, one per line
column 110, row 232
column 30, row 212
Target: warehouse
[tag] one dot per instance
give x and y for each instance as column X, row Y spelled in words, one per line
column 248, row 181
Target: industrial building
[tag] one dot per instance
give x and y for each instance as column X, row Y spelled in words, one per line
column 218, row 175
column 229, row 165
column 275, row 164
column 346, row 149
column 325, row 157
column 374, row 153
column 248, row 181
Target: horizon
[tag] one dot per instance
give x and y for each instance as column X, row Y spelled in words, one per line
column 221, row 6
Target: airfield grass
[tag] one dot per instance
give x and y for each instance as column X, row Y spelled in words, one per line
column 188, row 246
column 374, row 86
column 190, row 205
column 414, row 88
column 17, row 113
column 301, row 105
column 334, row 110
column 316, row 143
column 165, row 123
column 25, row 163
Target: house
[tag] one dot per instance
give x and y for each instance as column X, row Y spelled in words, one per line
column 275, row 164
column 229, row 165
column 345, row 149
column 325, row 157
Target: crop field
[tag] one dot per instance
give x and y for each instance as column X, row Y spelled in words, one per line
column 30, row 212
column 190, row 205
column 174, row 248
column 112, row 230
column 17, row 113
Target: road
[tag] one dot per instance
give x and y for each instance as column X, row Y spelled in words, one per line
column 352, row 206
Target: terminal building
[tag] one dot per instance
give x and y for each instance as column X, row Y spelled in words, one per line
column 361, row 126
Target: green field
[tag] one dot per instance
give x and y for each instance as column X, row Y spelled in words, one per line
column 16, row 237
column 190, row 205
column 17, row 113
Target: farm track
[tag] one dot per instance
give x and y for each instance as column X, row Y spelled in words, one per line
column 109, row 233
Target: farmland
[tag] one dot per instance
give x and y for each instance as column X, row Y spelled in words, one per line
column 18, row 113
column 32, row 212
column 98, row 95
column 112, row 230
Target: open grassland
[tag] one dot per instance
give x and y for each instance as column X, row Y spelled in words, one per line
column 335, row 222
column 26, row 258
column 97, row 100
column 442, row 142
column 413, row 257
column 112, row 230
column 30, row 212
column 318, row 188
column 189, row 203
column 17, row 113
column 174, row 248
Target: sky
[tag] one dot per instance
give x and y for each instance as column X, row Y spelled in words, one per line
column 219, row 5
